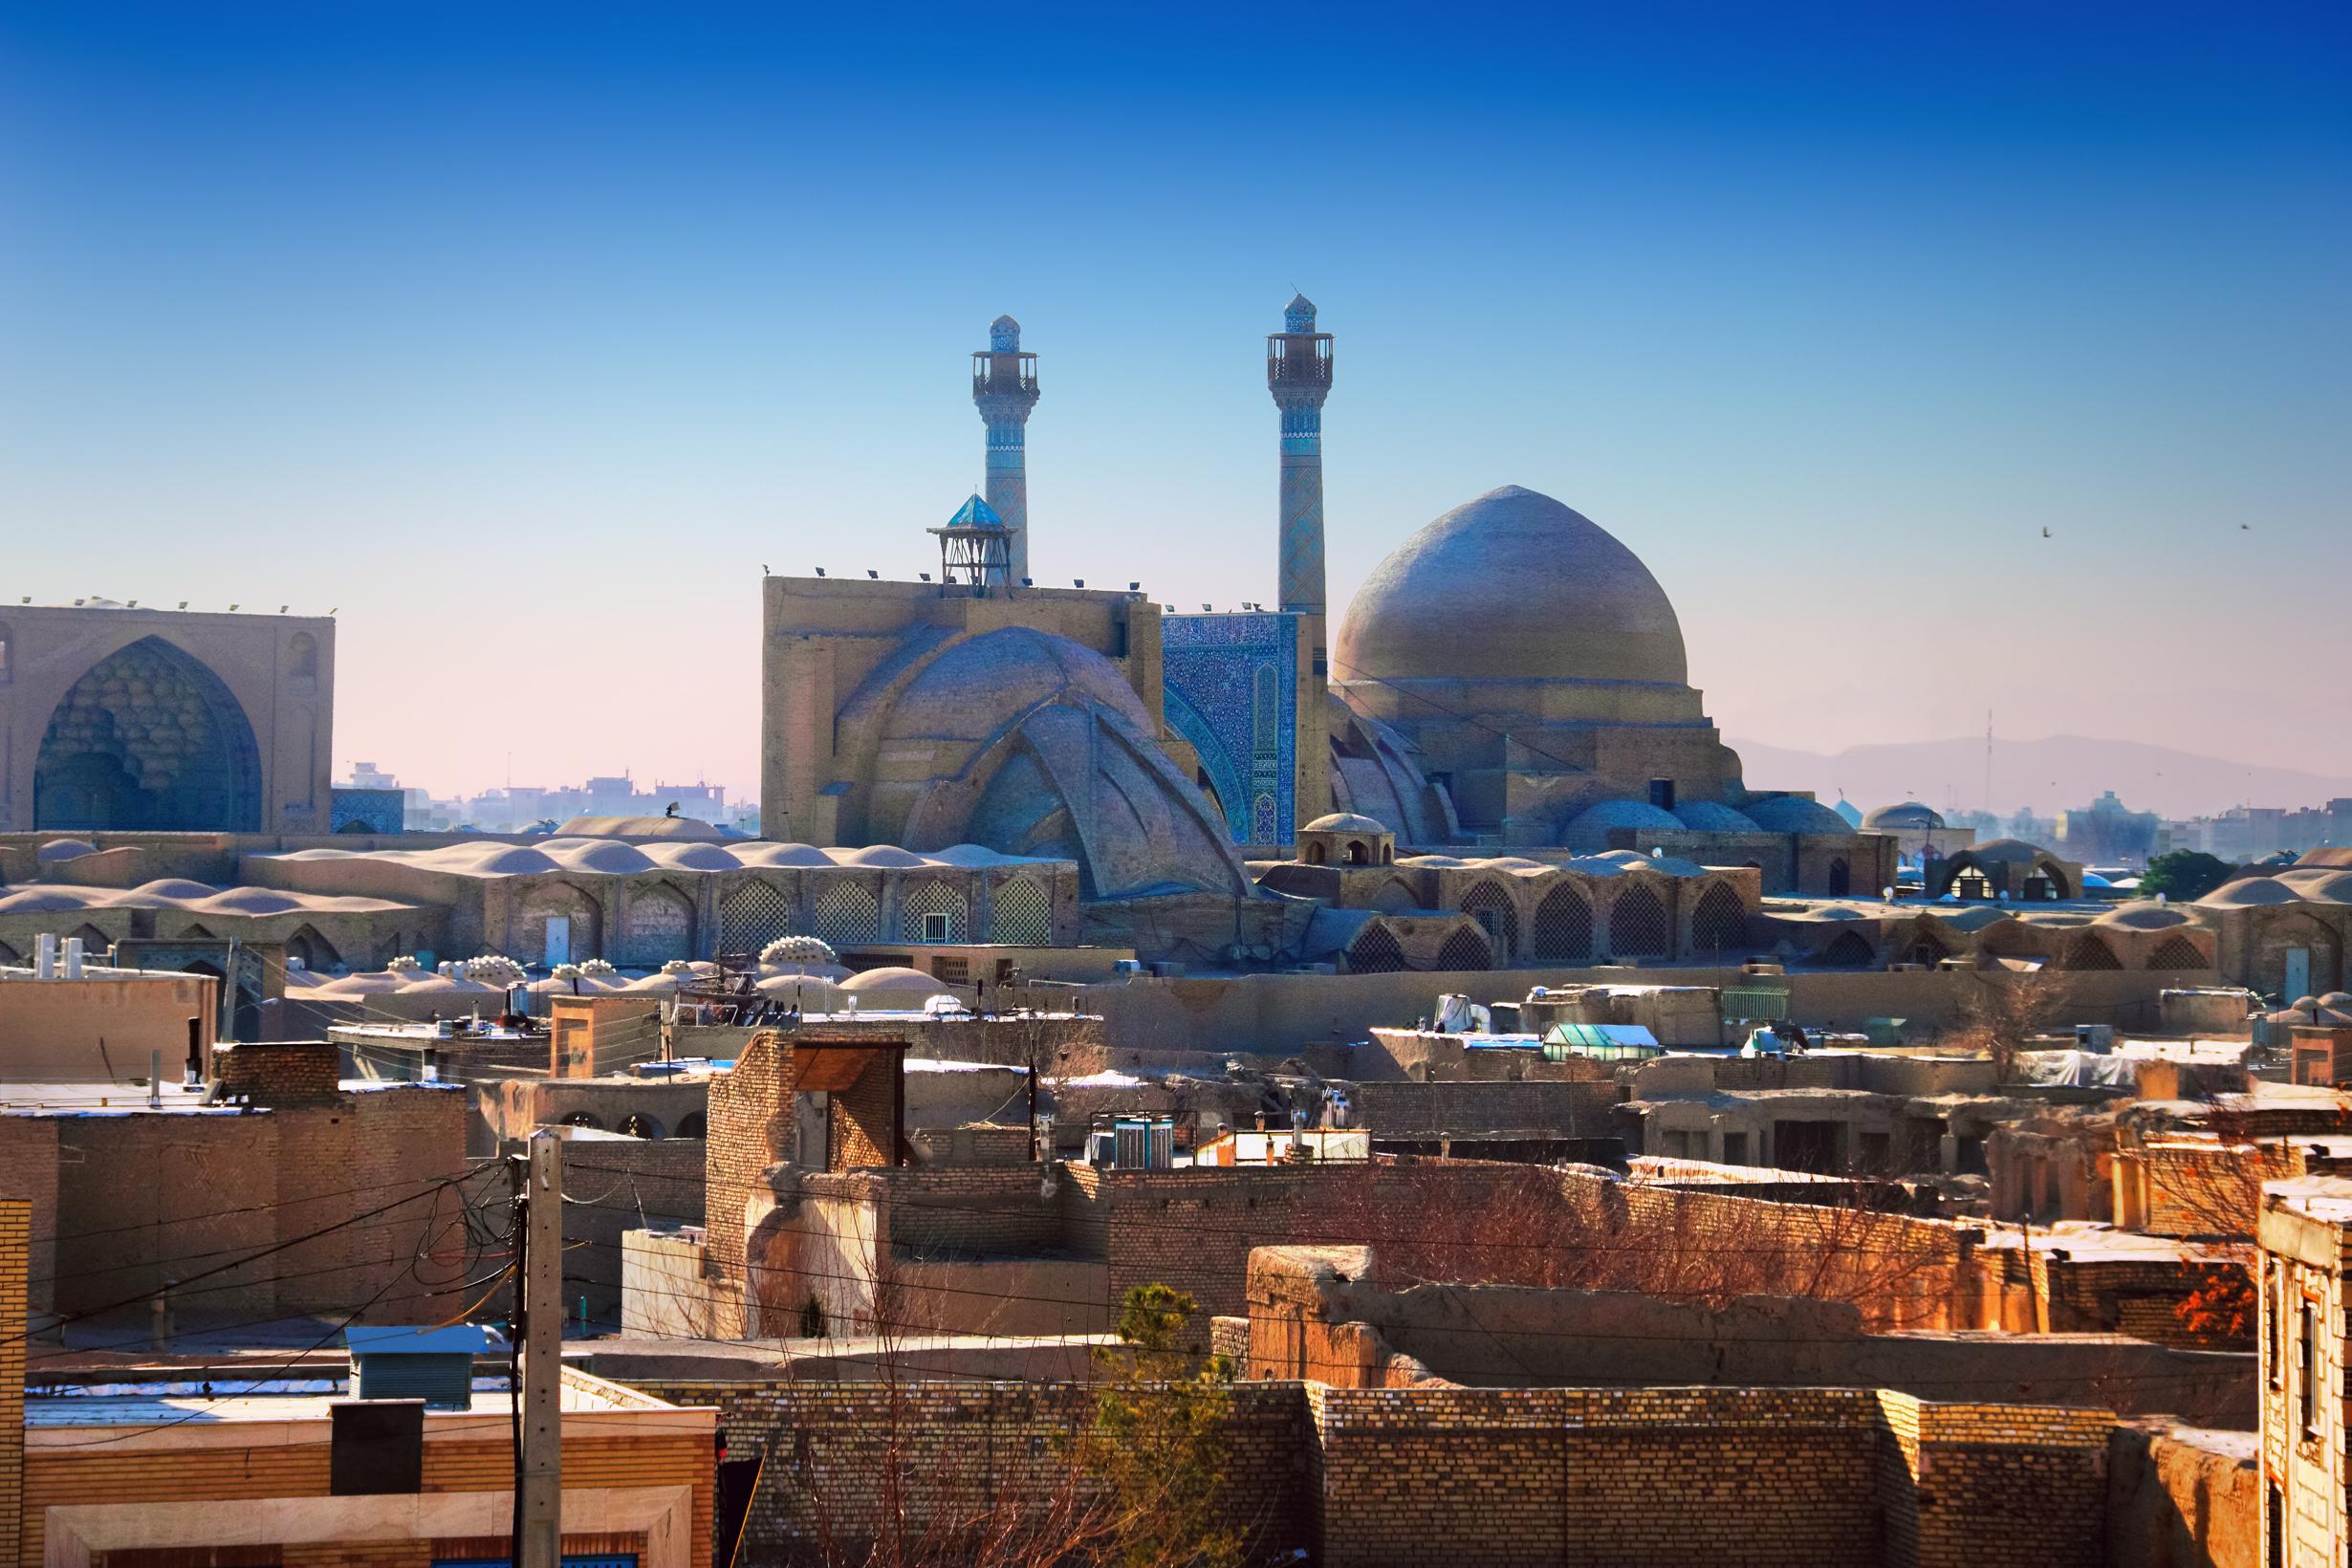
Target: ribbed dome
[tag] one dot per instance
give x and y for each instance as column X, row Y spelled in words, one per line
column 1512, row 586
column 1909, row 814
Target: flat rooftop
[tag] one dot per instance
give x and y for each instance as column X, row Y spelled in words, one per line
column 172, row 1098
column 199, row 1400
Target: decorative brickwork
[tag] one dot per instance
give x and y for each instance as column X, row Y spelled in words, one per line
column 276, row 1072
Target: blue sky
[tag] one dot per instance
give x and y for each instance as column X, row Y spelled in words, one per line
column 524, row 336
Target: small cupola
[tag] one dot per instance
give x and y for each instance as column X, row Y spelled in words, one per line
column 1346, row 839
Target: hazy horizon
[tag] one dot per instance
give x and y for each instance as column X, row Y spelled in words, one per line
column 525, row 338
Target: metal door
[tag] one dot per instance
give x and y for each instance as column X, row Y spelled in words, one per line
column 2299, row 975
column 558, row 950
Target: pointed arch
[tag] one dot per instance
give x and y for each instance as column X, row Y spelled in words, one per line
column 148, row 737
column 2088, row 952
column 753, row 913
column 1375, row 952
column 317, row 953
column 1638, row 924
column 1718, row 922
column 1466, row 950
column 1851, row 951
column 1491, row 904
column 1564, row 927
column 2178, row 952
column 656, row 926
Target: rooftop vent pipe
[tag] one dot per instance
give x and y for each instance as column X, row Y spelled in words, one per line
column 45, row 956
column 72, row 958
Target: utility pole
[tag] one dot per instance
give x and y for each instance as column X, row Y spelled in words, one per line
column 539, row 1503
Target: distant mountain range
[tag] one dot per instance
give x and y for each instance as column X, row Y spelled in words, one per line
column 2045, row 775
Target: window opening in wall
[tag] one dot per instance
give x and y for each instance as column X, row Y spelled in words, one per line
column 2275, row 1308
column 1735, row 1148
column 935, row 927
column 1662, row 794
column 2307, row 1372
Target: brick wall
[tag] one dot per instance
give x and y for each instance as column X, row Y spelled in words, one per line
column 622, row 1184
column 1563, row 1109
column 15, row 1248
column 1392, row 1478
column 749, row 1124
column 865, row 1117
column 276, row 1072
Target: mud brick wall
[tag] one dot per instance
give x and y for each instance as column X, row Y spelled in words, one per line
column 624, row 1184
column 866, row 1116
column 749, row 1124
column 276, row 1072
column 1563, row 1109
column 962, row 1447
column 2134, row 1297
column 972, row 1210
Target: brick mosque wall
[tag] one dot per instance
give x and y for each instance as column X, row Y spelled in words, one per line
column 1400, row 1478
column 750, row 1122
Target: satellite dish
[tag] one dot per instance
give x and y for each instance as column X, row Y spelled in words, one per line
column 1657, row 852
column 2160, row 898
column 1887, row 893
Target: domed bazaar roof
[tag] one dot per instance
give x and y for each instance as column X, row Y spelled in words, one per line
column 1909, row 814
column 1511, row 585
column 1795, row 813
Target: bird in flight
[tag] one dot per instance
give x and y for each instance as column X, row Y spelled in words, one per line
column 2045, row 533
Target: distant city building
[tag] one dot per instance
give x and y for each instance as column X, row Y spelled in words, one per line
column 2108, row 833
column 2251, row 833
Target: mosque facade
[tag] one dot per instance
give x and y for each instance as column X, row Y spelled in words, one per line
column 1510, row 677
column 118, row 718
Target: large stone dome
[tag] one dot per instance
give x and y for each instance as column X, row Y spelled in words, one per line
column 1511, row 586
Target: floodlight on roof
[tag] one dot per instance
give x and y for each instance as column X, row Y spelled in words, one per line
column 132, row 606
column 183, row 605
column 283, row 608
column 1135, row 587
column 1077, row 582
column 925, row 576
column 1204, row 609
column 820, row 571
column 1027, row 583
column 232, row 609
column 871, row 573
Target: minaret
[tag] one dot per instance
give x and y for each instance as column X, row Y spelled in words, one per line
column 1004, row 388
column 1298, row 375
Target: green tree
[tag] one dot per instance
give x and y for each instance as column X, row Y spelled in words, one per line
column 1158, row 1444
column 2184, row 874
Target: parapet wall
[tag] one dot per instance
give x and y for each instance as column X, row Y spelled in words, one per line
column 1408, row 1477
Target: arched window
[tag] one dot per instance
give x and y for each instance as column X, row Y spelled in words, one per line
column 1851, row 951
column 1638, row 925
column 1840, row 877
column 933, row 911
column 848, row 912
column 581, row 1119
column 1375, row 952
column 1356, row 853
column 1388, row 854
column 1718, row 922
column 2177, row 952
column 1315, row 854
column 1465, row 949
column 752, row 915
column 302, row 657
column 1020, row 914
column 1926, row 949
column 317, row 953
column 693, row 1125
column 2088, row 952
column 1564, row 927
column 638, row 1124
column 1493, row 908
column 7, row 650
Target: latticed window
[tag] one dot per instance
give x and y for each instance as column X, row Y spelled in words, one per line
column 1376, row 952
column 848, row 912
column 1719, row 922
column 1021, row 913
column 1465, row 949
column 1852, row 948
column 1638, row 926
column 2090, row 954
column 1492, row 910
column 936, row 899
column 2176, row 953
column 1564, row 927
column 1926, row 949
column 754, row 915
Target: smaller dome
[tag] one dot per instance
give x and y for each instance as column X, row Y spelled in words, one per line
column 1908, row 815
column 1004, row 336
column 1795, row 813
column 64, row 849
column 2250, row 890
column 1345, row 821
column 893, row 979
column 1298, row 316
column 2143, row 915
column 797, row 949
column 1624, row 814
column 1710, row 817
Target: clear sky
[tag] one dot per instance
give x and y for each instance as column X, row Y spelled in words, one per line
column 523, row 338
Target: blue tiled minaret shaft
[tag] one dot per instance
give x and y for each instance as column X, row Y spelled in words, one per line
column 1298, row 375
column 1004, row 388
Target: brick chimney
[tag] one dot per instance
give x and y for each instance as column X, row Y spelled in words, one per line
column 275, row 1073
